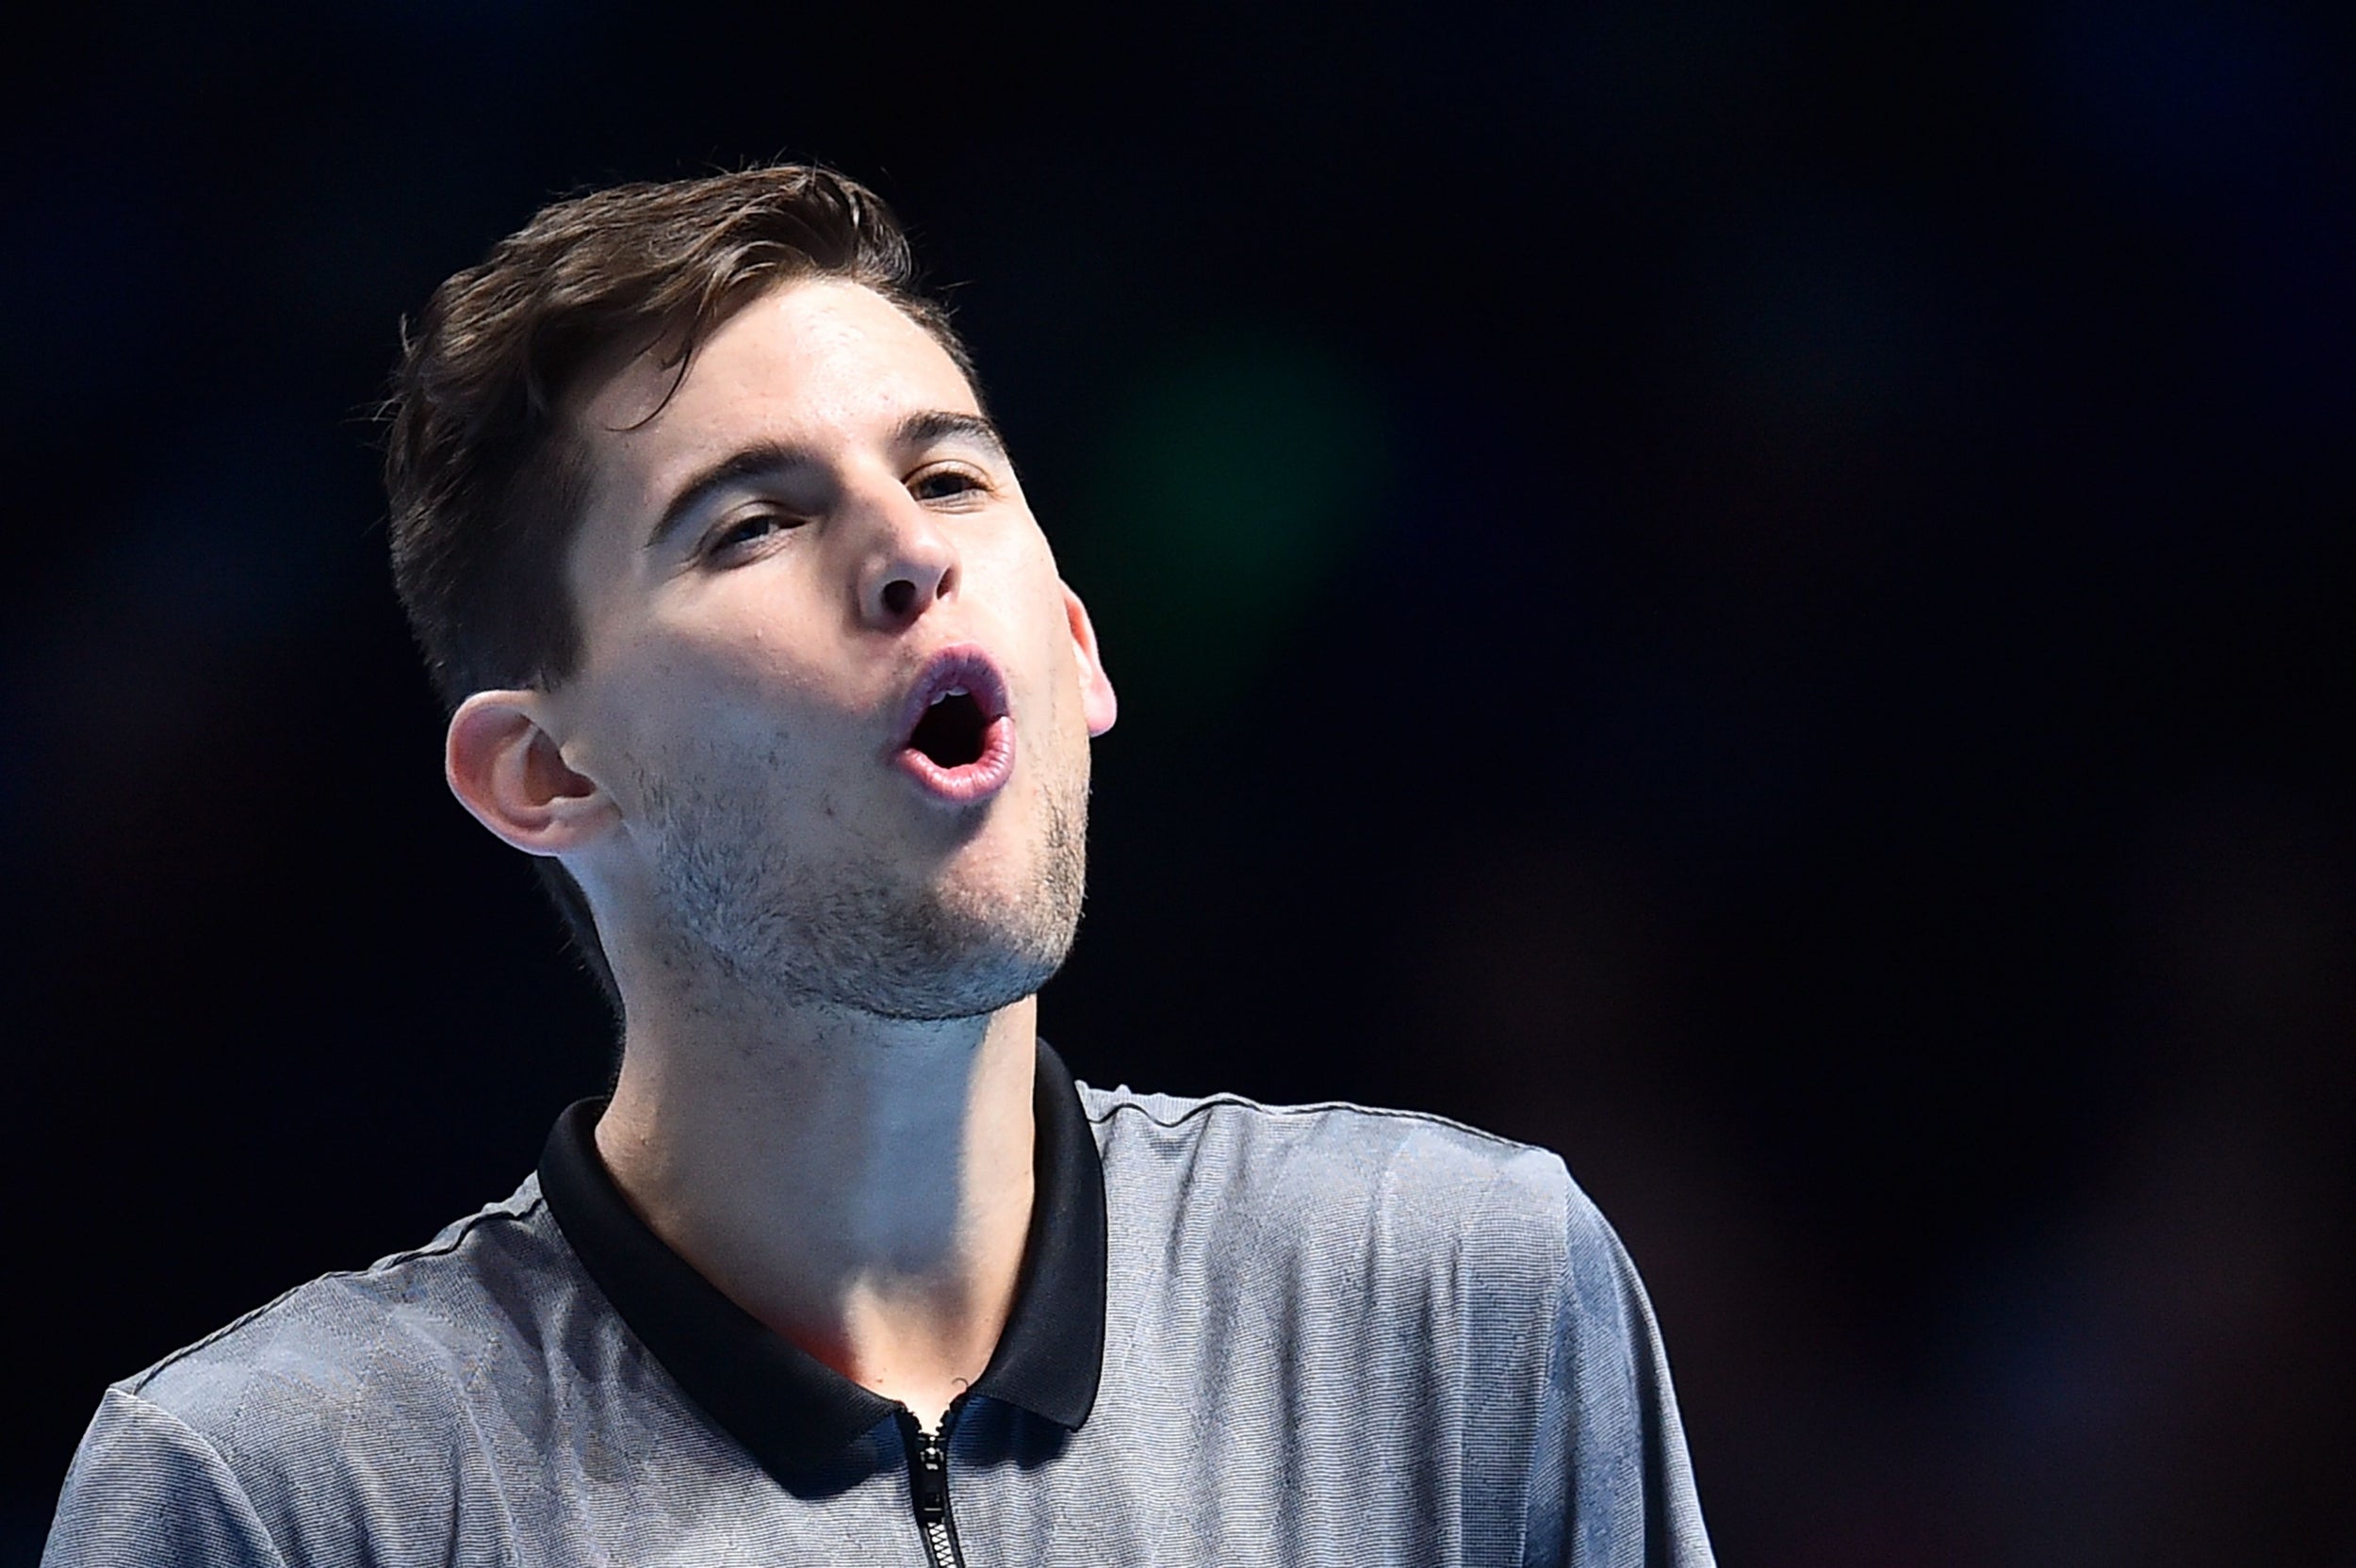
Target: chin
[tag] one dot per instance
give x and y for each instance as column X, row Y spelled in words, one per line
column 985, row 930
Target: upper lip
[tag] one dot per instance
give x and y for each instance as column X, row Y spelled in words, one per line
column 962, row 666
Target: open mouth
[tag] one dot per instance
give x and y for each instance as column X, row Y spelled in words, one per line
column 961, row 737
column 953, row 730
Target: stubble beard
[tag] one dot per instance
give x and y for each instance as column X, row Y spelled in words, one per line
column 752, row 923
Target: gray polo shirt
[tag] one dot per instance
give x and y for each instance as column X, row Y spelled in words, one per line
column 1243, row 1335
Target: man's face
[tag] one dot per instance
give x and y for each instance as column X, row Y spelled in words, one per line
column 830, row 680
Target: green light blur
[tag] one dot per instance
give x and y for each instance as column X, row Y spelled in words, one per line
column 1234, row 483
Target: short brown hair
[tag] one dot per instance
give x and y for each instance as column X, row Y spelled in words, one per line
column 482, row 468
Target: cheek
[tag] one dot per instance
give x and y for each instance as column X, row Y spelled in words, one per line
column 1060, row 657
column 688, row 707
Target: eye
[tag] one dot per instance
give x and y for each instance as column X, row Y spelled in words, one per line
column 948, row 485
column 743, row 536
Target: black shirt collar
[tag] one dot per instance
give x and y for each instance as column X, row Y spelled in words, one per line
column 791, row 1411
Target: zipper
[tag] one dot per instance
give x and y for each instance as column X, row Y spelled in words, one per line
column 928, row 1485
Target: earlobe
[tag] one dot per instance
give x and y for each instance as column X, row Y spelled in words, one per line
column 505, row 767
column 1097, row 701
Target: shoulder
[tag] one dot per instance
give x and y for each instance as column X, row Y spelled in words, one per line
column 1386, row 1183
column 420, row 1318
column 344, row 1406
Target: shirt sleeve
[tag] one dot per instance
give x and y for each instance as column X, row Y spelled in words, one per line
column 146, row 1489
column 1611, row 1485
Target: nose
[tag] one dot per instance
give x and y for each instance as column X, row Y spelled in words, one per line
column 908, row 565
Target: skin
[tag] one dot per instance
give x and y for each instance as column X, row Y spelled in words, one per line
column 826, row 969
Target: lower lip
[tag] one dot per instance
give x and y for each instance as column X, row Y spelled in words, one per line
column 968, row 782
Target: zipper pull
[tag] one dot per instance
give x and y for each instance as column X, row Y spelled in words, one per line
column 928, row 1479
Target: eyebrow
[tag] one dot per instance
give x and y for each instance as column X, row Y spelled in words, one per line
column 924, row 429
column 773, row 459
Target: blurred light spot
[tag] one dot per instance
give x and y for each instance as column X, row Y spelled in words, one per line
column 1232, row 485
column 1817, row 321
column 2185, row 99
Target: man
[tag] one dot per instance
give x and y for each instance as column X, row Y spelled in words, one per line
column 748, row 633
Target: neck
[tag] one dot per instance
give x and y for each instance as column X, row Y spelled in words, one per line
column 861, row 1185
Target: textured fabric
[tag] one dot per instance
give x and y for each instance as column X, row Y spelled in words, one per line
column 1332, row 1335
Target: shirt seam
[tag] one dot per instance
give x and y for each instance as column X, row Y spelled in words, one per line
column 1236, row 1102
column 138, row 1382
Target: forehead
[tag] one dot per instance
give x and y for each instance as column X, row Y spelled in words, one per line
column 808, row 361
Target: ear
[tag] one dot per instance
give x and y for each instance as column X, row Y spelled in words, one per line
column 1096, row 688
column 505, row 767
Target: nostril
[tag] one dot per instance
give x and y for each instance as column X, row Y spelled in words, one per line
column 898, row 594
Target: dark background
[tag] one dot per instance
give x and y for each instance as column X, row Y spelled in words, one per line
column 1751, row 591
